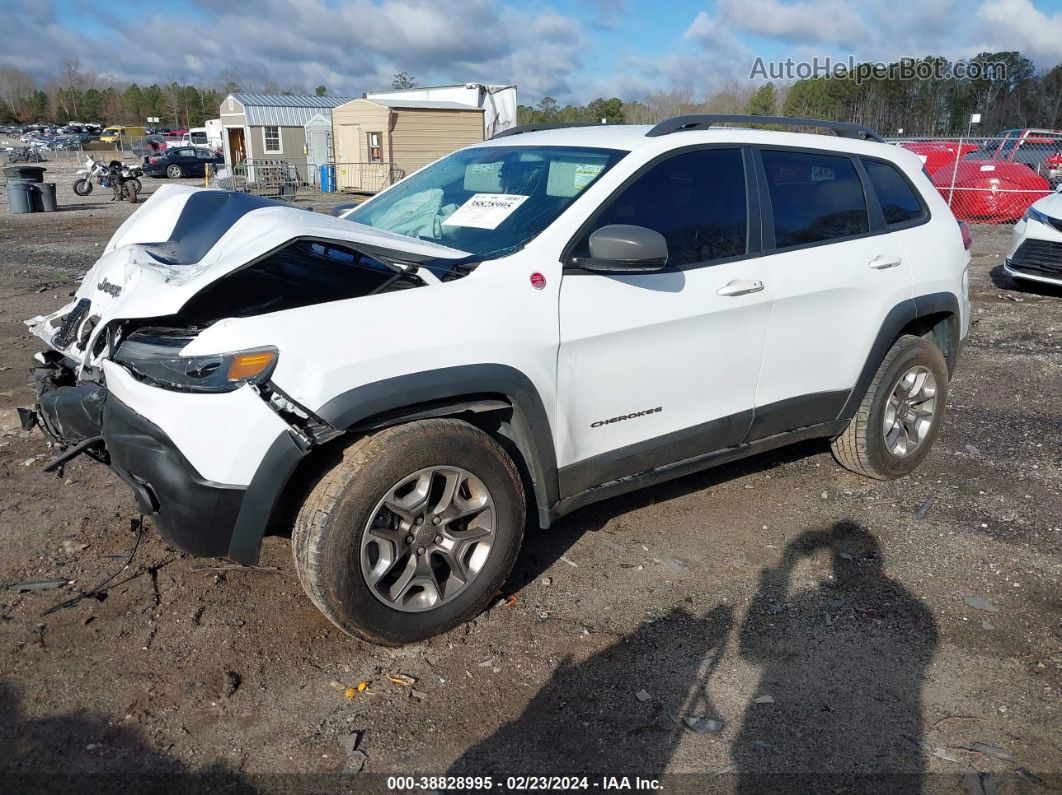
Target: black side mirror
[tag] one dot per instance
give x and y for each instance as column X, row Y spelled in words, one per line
column 623, row 248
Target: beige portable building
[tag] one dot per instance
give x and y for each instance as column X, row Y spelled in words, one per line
column 378, row 141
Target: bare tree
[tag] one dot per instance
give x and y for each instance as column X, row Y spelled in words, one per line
column 16, row 90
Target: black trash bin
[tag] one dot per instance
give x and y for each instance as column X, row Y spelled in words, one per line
column 46, row 190
column 24, row 173
column 20, row 197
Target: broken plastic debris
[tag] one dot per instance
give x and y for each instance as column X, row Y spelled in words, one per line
column 677, row 566
column 980, row 604
column 764, row 699
column 988, row 750
column 510, row 601
column 923, row 509
column 643, row 695
column 704, row 725
column 570, row 562
column 349, row 741
column 39, row 585
column 355, row 757
column 402, row 679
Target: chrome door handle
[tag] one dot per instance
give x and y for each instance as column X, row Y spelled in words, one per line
column 740, row 287
column 883, row 261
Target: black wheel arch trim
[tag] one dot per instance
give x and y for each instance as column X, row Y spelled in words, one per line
column 444, row 392
column 898, row 317
column 450, row 390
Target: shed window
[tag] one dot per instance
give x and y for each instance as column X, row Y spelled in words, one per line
column 375, row 150
column 272, row 139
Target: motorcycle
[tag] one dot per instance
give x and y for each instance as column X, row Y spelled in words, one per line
column 123, row 181
column 99, row 172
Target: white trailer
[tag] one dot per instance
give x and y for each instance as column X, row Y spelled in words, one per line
column 498, row 102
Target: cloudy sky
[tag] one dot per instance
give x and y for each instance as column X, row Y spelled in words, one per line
column 571, row 49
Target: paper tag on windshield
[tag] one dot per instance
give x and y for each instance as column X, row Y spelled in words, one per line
column 585, row 173
column 485, row 210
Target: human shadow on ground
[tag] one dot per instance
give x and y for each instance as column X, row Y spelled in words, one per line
column 84, row 751
column 839, row 700
column 618, row 712
column 838, row 704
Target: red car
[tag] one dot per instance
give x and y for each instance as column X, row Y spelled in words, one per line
column 1053, row 168
column 937, row 154
column 997, row 184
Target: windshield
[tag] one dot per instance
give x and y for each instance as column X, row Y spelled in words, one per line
column 489, row 201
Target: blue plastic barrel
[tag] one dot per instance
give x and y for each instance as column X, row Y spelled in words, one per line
column 328, row 178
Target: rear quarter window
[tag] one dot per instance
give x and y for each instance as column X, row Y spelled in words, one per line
column 899, row 203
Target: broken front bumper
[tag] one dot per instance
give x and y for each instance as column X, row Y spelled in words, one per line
column 192, row 512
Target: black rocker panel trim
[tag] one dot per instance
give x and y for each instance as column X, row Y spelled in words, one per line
column 681, row 468
column 796, row 412
column 654, row 453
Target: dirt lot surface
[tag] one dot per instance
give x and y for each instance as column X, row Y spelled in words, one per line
column 832, row 625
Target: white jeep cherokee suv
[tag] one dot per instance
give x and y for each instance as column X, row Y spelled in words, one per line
column 546, row 319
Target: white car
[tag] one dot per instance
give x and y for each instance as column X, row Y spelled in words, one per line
column 526, row 326
column 1036, row 243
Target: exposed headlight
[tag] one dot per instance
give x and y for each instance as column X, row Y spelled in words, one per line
column 1033, row 214
column 154, row 355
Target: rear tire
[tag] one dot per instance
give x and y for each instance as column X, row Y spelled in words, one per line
column 334, row 555
column 880, row 441
column 82, row 187
column 174, row 171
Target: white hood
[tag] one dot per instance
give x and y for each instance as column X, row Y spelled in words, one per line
column 183, row 239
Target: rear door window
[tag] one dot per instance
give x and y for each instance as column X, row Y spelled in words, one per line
column 897, row 198
column 814, row 198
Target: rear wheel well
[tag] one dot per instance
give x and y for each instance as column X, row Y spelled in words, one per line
column 940, row 328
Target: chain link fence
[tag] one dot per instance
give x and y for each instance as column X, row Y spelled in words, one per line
column 294, row 178
column 991, row 180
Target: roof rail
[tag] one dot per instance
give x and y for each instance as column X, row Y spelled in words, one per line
column 526, row 128
column 679, row 123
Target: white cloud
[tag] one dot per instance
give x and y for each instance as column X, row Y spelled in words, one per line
column 821, row 21
column 351, row 47
column 1023, row 27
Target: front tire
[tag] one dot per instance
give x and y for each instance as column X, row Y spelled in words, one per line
column 412, row 533
column 901, row 413
column 82, row 187
column 174, row 171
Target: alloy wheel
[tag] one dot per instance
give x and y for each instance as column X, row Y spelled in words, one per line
column 910, row 411
column 427, row 538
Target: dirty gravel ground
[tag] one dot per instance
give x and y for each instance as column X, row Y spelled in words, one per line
column 819, row 616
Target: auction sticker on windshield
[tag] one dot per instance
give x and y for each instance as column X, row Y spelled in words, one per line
column 485, row 210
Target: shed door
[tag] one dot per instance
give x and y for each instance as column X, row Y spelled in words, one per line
column 317, row 146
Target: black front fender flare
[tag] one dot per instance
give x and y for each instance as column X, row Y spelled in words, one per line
column 432, row 393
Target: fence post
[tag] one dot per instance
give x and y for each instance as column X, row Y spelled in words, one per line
column 955, row 171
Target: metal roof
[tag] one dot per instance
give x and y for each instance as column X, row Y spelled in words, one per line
column 284, row 110
column 423, row 104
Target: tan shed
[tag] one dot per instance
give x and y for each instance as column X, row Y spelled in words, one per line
column 377, row 141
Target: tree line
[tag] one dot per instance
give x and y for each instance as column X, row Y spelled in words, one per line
column 1016, row 95
column 1012, row 95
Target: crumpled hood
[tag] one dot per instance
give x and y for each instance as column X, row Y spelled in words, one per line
column 183, row 239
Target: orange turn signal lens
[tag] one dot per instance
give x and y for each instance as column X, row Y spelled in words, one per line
column 248, row 365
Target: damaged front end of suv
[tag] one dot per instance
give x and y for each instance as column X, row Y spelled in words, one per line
column 165, row 363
